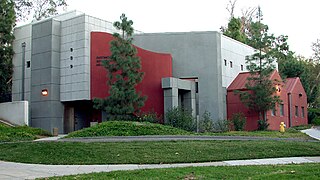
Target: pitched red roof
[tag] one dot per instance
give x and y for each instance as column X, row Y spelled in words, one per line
column 290, row 83
column 239, row 83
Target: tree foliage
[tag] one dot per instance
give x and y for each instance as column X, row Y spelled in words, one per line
column 124, row 74
column 38, row 9
column 261, row 95
column 7, row 22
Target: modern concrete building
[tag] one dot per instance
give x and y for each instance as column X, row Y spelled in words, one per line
column 210, row 58
column 57, row 68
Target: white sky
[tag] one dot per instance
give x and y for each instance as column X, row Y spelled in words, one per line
column 296, row 18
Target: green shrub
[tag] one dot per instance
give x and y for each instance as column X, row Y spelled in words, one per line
column 316, row 121
column 180, row 118
column 263, row 125
column 206, row 123
column 221, row 125
column 313, row 113
column 302, row 127
column 238, row 121
column 151, row 117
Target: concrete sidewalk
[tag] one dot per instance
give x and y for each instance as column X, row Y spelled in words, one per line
column 10, row 170
column 314, row 132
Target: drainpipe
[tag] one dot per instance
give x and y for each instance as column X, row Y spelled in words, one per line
column 23, row 68
column 289, row 108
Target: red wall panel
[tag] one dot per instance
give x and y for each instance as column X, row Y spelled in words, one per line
column 154, row 65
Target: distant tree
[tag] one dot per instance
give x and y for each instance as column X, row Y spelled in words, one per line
column 261, row 95
column 124, row 74
column 38, row 9
column 7, row 22
column 234, row 30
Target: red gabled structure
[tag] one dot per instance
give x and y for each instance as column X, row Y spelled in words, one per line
column 297, row 99
column 288, row 93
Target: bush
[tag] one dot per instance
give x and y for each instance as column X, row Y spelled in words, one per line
column 151, row 117
column 206, row 123
column 313, row 114
column 263, row 125
column 316, row 121
column 221, row 126
column 180, row 118
column 239, row 121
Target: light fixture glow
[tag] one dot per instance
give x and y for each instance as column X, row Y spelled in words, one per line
column 44, row 92
column 278, row 88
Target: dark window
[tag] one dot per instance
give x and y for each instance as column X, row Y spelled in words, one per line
column 225, row 62
column 71, row 66
column 231, row 64
column 273, row 112
column 71, row 49
column 71, row 57
column 241, row 67
column 302, row 112
column 281, row 110
column 28, row 64
column 296, row 111
column 197, row 87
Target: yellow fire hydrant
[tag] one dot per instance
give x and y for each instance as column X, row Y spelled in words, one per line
column 282, row 127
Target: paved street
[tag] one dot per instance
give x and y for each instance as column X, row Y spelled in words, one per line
column 11, row 170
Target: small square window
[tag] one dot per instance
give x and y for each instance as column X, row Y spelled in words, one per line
column 241, row 67
column 231, row 64
column 71, row 57
column 225, row 62
column 28, row 64
column 71, row 49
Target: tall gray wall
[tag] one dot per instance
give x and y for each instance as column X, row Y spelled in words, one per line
column 46, row 111
column 195, row 54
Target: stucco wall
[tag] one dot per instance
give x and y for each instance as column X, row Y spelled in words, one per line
column 15, row 112
column 194, row 54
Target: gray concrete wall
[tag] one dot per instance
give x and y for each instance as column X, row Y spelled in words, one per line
column 195, row 54
column 15, row 112
column 46, row 111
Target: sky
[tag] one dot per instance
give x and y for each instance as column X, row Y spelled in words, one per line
column 295, row 18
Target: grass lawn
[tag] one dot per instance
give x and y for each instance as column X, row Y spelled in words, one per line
column 152, row 152
column 20, row 133
column 129, row 128
column 301, row 171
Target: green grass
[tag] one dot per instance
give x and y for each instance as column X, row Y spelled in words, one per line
column 297, row 171
column 20, row 133
column 152, row 152
column 290, row 133
column 127, row 128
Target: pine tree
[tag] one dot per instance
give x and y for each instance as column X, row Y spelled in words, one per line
column 124, row 74
column 261, row 95
column 7, row 22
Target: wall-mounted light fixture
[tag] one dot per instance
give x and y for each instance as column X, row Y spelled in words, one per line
column 278, row 88
column 44, row 92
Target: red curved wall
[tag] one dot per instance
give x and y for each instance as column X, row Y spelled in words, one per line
column 154, row 65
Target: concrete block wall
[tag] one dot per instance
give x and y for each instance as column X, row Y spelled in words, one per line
column 46, row 111
column 22, row 35
column 235, row 52
column 75, row 55
column 16, row 112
